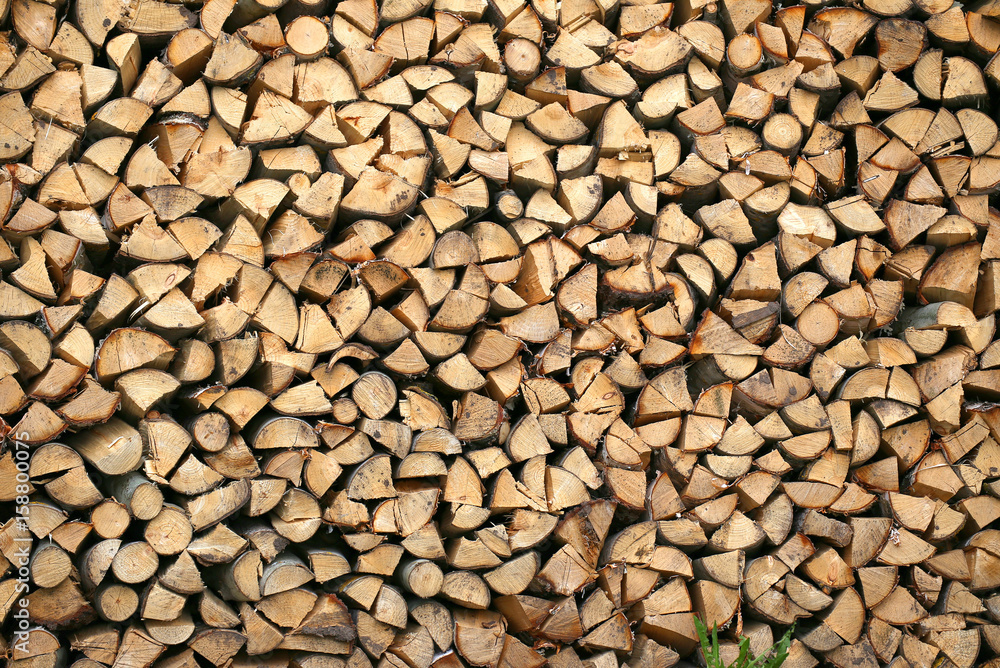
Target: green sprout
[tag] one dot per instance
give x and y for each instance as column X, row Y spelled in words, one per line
column 772, row 658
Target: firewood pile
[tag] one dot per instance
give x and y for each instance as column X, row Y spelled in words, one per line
column 456, row 334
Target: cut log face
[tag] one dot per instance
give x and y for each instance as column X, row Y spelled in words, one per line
column 491, row 334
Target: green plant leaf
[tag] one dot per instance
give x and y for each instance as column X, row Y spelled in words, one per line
column 706, row 647
column 781, row 649
column 741, row 662
column 772, row 658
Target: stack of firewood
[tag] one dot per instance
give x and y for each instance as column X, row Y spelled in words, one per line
column 454, row 334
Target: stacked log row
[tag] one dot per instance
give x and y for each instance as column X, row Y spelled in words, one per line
column 413, row 334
